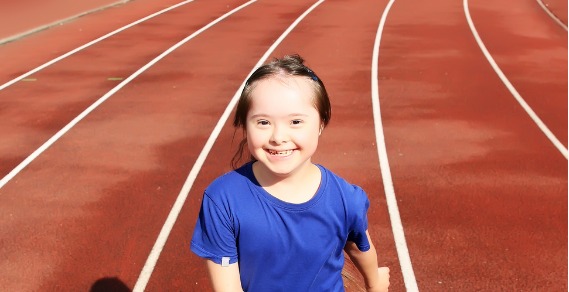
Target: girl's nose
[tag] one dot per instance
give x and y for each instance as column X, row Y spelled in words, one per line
column 279, row 135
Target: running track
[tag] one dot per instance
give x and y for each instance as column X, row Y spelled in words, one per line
column 481, row 191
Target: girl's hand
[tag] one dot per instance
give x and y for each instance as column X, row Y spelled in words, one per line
column 383, row 283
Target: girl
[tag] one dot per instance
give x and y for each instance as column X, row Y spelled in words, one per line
column 280, row 222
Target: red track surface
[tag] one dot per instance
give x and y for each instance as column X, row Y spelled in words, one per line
column 23, row 17
column 557, row 8
column 482, row 192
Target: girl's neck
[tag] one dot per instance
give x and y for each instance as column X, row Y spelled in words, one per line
column 297, row 187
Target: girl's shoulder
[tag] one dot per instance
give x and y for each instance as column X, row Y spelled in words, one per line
column 337, row 181
column 352, row 196
column 231, row 181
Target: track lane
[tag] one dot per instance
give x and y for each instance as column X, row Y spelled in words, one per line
column 16, row 57
column 391, row 198
column 347, row 145
column 22, row 17
column 74, row 83
column 532, row 53
column 24, row 77
column 481, row 192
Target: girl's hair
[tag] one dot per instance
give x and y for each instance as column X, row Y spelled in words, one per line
column 288, row 66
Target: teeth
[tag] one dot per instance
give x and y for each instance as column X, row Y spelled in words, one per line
column 280, row 153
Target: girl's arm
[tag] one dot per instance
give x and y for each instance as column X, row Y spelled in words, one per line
column 366, row 263
column 224, row 279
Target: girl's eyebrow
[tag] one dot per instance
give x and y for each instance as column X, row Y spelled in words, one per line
column 298, row 115
column 258, row 116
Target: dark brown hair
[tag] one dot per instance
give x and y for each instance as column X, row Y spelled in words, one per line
column 290, row 65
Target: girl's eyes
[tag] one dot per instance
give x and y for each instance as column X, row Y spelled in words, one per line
column 266, row 123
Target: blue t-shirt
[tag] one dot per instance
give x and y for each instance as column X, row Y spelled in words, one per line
column 281, row 246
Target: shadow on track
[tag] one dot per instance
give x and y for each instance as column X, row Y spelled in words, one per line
column 108, row 284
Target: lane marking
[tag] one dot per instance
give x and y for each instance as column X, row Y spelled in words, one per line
column 550, row 13
column 55, row 60
column 396, row 225
column 511, row 88
column 184, row 192
column 59, row 22
column 87, row 111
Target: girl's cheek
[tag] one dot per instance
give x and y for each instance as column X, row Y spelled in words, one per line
column 254, row 136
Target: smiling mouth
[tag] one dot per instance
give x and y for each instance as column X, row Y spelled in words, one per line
column 280, row 153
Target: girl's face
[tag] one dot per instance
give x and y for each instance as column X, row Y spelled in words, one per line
column 283, row 125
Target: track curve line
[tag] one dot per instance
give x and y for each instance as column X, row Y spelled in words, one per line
column 510, row 87
column 87, row 111
column 55, row 60
column 551, row 14
column 59, row 22
column 183, row 195
column 396, row 225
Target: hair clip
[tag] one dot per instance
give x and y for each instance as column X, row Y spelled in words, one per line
column 312, row 75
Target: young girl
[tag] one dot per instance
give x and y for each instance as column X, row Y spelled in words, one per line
column 280, row 222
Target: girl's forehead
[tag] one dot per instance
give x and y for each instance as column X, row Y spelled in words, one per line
column 283, row 85
column 278, row 94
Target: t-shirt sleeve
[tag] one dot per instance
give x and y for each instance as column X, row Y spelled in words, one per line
column 214, row 234
column 358, row 219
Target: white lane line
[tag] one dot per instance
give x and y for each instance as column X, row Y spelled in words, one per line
column 59, row 22
column 49, row 63
column 184, row 192
column 76, row 120
column 553, row 16
column 396, row 225
column 510, row 87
